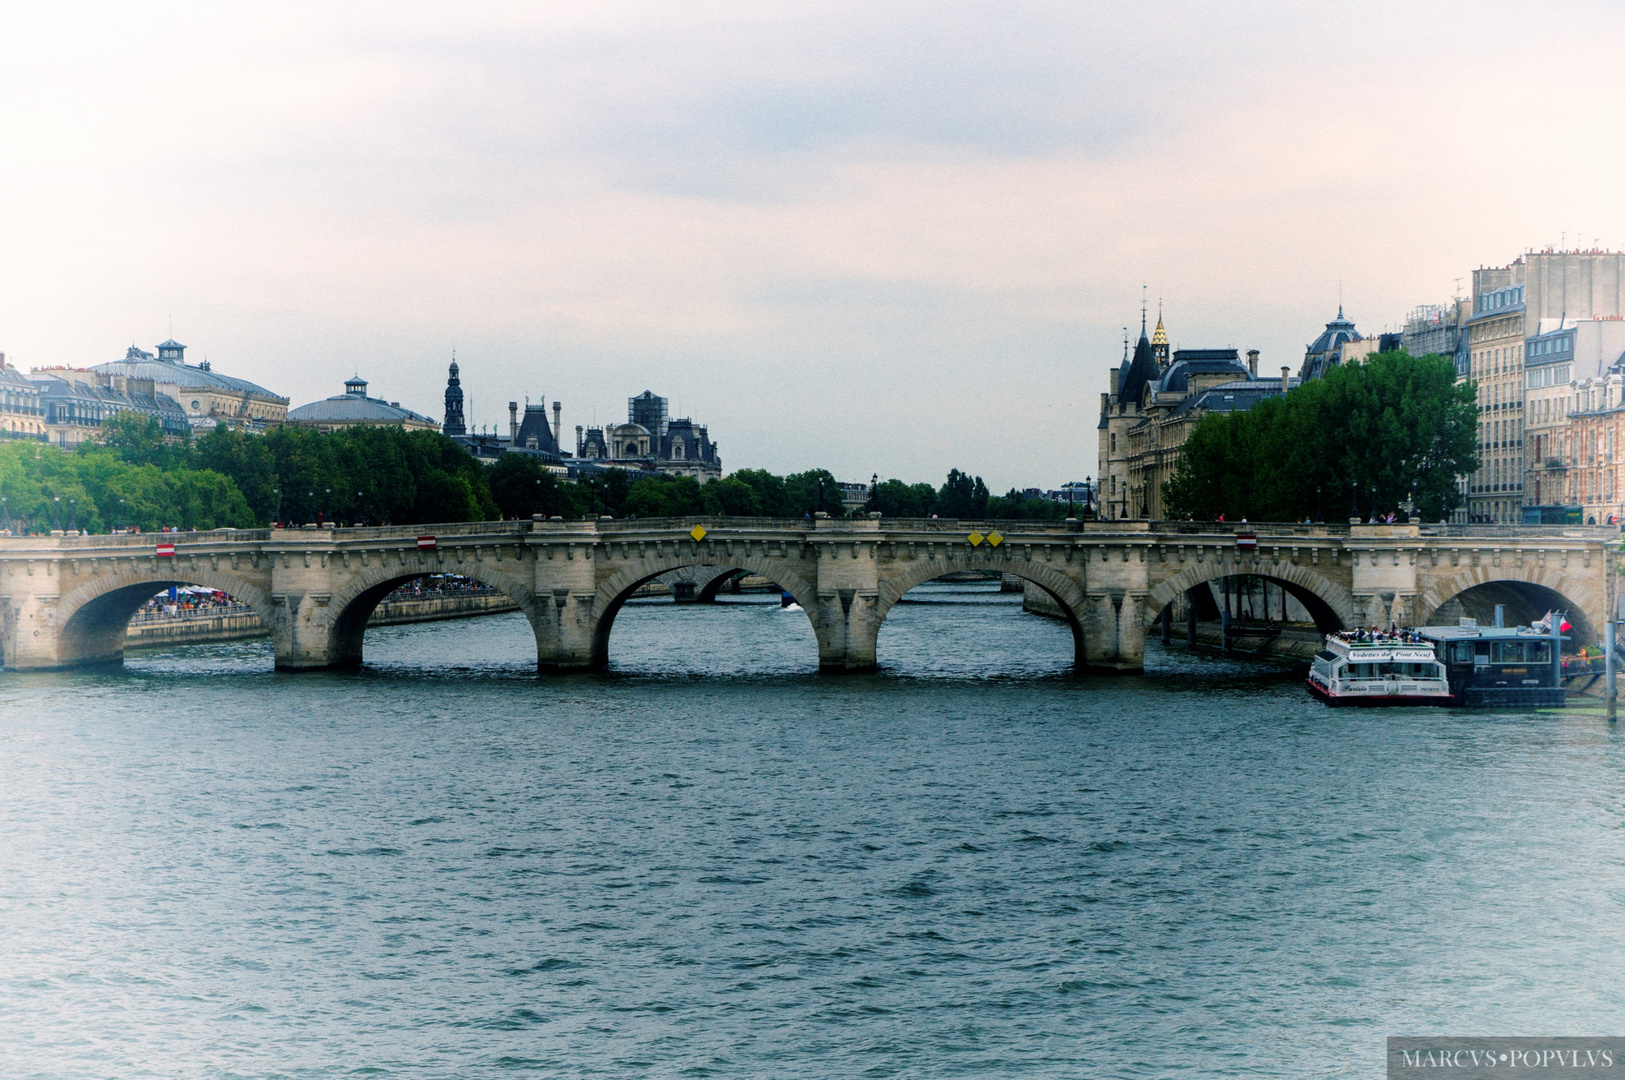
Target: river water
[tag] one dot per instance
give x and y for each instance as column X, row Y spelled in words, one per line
column 714, row 862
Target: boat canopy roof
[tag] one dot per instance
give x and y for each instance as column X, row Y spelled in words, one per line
column 1483, row 633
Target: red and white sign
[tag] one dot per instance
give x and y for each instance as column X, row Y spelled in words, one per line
column 1246, row 541
column 166, row 551
column 425, row 543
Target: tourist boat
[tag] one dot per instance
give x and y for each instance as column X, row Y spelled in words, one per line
column 1369, row 668
column 1502, row 666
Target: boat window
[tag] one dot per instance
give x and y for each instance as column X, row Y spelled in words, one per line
column 1538, row 652
column 1508, row 652
column 1461, row 652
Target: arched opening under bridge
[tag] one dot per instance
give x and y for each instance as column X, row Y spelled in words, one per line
column 97, row 618
column 1522, row 602
column 1267, row 613
column 418, row 593
column 770, row 636
column 977, row 623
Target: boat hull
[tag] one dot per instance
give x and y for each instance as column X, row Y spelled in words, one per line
column 1367, row 701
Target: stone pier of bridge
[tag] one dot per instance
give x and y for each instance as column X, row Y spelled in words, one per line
column 65, row 600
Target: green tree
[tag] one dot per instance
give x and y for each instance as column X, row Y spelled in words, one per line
column 893, row 498
column 962, row 496
column 139, row 439
column 772, row 497
column 1359, row 442
column 522, row 486
column 664, row 496
column 731, row 497
column 811, row 492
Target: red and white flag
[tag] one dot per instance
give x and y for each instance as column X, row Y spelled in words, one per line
column 166, row 551
column 425, row 543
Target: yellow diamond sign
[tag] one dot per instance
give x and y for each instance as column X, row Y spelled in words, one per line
column 995, row 539
column 698, row 533
column 975, row 538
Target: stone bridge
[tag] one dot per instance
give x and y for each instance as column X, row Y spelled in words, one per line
column 65, row 600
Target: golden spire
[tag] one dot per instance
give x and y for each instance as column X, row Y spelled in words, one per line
column 1160, row 336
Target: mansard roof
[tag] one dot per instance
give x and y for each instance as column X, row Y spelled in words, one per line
column 1188, row 362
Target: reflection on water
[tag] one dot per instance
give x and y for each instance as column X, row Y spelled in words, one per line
column 712, row 861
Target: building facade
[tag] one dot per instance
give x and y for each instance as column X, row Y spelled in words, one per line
column 21, row 414
column 1495, row 336
column 354, row 408
column 649, row 440
column 208, row 397
column 1593, row 479
column 75, row 402
column 1155, row 401
column 1561, row 365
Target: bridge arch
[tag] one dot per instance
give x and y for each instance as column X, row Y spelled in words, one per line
column 95, row 617
column 1068, row 596
column 349, row 609
column 1527, row 593
column 613, row 593
column 1328, row 603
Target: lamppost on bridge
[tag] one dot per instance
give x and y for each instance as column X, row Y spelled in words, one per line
column 313, row 511
column 327, row 505
column 56, row 513
column 276, row 512
column 73, row 514
column 358, row 497
column 5, row 515
column 121, row 515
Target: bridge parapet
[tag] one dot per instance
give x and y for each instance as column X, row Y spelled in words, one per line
column 60, row 597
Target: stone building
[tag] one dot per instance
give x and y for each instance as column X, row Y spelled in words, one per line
column 74, row 403
column 1592, row 447
column 208, row 397
column 1155, row 401
column 21, row 414
column 650, row 441
column 1434, row 329
column 1561, row 367
column 1510, row 307
column 1495, row 335
column 354, row 408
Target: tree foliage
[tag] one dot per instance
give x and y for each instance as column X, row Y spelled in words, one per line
column 377, row 475
column 1356, row 443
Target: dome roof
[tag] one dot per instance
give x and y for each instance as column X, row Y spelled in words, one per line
column 1337, row 332
column 139, row 364
column 353, row 408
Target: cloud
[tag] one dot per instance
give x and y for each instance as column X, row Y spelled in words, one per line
column 894, row 238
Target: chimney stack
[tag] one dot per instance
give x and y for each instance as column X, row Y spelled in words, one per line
column 1286, row 378
column 1115, row 374
column 581, row 443
column 1252, row 362
column 558, row 424
column 513, row 423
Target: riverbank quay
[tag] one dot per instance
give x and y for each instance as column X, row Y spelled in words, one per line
column 236, row 624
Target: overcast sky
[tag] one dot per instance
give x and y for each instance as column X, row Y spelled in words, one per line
column 890, row 238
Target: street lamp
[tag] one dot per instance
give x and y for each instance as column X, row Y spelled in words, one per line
column 73, row 514
column 358, row 508
column 5, row 515
column 314, row 512
column 121, row 515
column 56, row 513
column 276, row 513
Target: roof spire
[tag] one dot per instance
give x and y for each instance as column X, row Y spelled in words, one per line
column 1142, row 308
